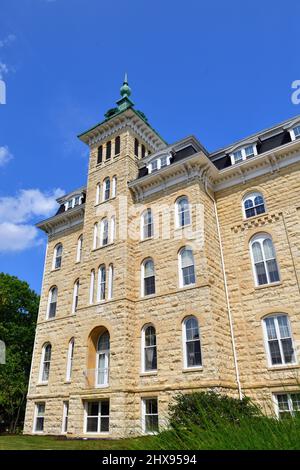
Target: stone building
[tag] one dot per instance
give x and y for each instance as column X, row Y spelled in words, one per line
column 173, row 269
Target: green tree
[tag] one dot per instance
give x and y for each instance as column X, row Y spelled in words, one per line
column 18, row 313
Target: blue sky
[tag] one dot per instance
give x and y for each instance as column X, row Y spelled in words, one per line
column 219, row 70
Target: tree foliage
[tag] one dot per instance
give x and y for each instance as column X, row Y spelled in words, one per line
column 18, row 313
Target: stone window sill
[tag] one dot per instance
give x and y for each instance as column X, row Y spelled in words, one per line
column 192, row 369
column 283, row 367
column 149, row 374
column 266, row 286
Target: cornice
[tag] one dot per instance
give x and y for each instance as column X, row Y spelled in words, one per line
column 63, row 222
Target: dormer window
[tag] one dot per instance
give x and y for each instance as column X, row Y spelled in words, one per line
column 243, row 154
column 295, row 132
column 154, row 165
column 158, row 163
column 73, row 202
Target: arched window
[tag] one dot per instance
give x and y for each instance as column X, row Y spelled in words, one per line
column 101, row 283
column 117, row 145
column 191, row 343
column 108, row 150
column 104, row 232
column 79, row 249
column 182, row 216
column 52, row 302
column 149, row 349
column 253, row 205
column 112, row 229
column 278, row 339
column 147, row 227
column 136, row 147
column 57, row 256
column 70, row 360
column 110, row 281
column 264, row 261
column 99, row 154
column 102, row 360
column 98, row 190
column 92, row 284
column 45, row 363
column 106, row 189
column 114, row 186
column 75, row 296
column 96, row 236
column 148, row 277
column 186, row 267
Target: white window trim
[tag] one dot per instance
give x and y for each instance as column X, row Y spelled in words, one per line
column 143, row 345
column 252, row 195
column 55, row 255
column 290, row 402
column 142, row 225
column 72, row 200
column 143, row 277
column 49, row 302
column 98, row 192
column 104, row 190
column 266, row 342
column 99, row 418
column 92, row 287
column 34, row 431
column 181, row 284
column 177, row 224
column 75, row 294
column 143, row 415
column 96, row 236
column 114, row 186
column 158, row 159
column 70, row 359
column 184, row 341
column 41, row 371
column 99, row 282
column 262, row 236
column 79, row 249
column 103, row 221
column 112, row 230
column 242, row 149
column 292, row 132
column 65, row 415
column 110, row 281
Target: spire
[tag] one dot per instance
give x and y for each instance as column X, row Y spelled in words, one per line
column 125, row 89
column 124, row 102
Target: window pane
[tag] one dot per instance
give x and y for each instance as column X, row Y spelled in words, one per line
column 191, row 328
column 270, row 325
column 257, row 253
column 261, row 273
column 105, row 408
column 151, row 406
column 151, row 423
column 103, row 342
column 149, row 285
column 272, row 270
column 193, row 353
column 296, row 401
column 288, row 351
column 275, row 352
column 187, row 258
column 150, row 358
column 283, row 404
column 92, row 424
column 39, row 426
column 104, row 424
column 188, row 275
column 283, row 326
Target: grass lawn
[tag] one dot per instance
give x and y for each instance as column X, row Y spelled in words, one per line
column 20, row 442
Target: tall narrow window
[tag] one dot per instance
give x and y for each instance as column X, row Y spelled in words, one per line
column 136, row 147
column 52, row 302
column 39, row 417
column 108, row 150
column 147, row 224
column 264, row 261
column 99, row 154
column 148, row 277
column 191, row 340
column 278, row 337
column 102, row 371
column 98, row 190
column 253, row 205
column 45, row 363
column 104, row 232
column 117, row 145
column 65, row 417
column 143, row 151
column 57, row 256
column 96, row 236
column 106, row 189
column 79, row 249
column 150, row 415
column 97, row 417
column 114, row 187
column 187, row 267
column 149, row 352
column 75, row 296
column 183, row 216
column 92, row 286
column 101, row 283
column 70, row 360
column 110, row 281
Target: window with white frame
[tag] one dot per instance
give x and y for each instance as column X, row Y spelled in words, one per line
column 253, row 204
column 148, row 277
column 102, row 360
column 295, row 132
column 39, row 420
column 106, row 189
column 147, row 226
column 279, row 341
column 92, row 286
column 243, row 154
column 98, row 192
column 70, row 360
column 186, row 267
column 73, row 202
column 97, row 417
column 96, row 236
column 52, row 302
column 288, row 404
column 191, row 343
column 45, row 363
column 104, row 232
column 79, row 249
column 150, row 415
column 149, row 349
column 110, row 282
column 264, row 261
column 57, row 256
column 182, row 214
column 75, row 296
column 101, row 283
column 65, row 417
column 158, row 163
column 114, row 187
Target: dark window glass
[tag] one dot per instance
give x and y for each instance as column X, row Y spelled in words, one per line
column 117, row 145
column 100, row 154
column 143, row 151
column 108, row 150
column 136, row 147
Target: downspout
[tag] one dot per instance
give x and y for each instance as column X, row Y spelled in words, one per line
column 226, row 291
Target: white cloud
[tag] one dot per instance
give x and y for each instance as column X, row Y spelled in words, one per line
column 3, row 69
column 17, row 213
column 5, row 155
